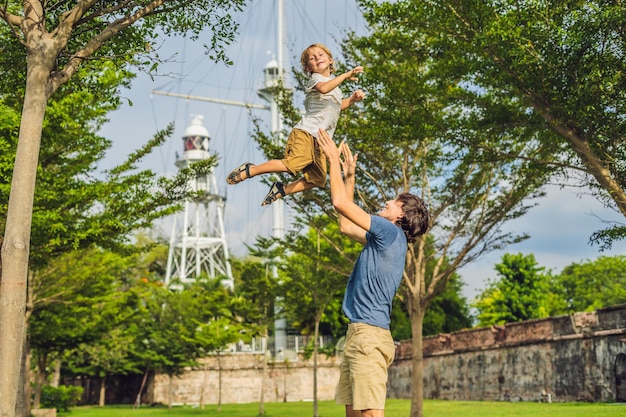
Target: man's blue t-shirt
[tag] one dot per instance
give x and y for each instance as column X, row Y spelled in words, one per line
column 377, row 275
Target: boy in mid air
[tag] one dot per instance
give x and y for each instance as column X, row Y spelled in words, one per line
column 323, row 103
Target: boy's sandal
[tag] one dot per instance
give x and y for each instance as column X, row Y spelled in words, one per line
column 235, row 176
column 276, row 191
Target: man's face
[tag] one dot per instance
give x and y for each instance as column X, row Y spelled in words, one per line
column 392, row 211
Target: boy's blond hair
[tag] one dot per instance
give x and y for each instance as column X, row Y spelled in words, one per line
column 304, row 58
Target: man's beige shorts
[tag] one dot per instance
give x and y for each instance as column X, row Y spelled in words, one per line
column 302, row 153
column 367, row 354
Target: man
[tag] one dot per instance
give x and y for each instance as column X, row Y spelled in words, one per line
column 377, row 274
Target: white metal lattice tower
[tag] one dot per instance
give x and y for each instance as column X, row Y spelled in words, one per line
column 198, row 241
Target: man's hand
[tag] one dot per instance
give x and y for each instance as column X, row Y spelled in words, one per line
column 348, row 163
column 328, row 146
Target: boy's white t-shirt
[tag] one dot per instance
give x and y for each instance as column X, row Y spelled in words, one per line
column 321, row 110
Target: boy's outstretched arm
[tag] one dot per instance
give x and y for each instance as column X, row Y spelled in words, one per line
column 327, row 86
column 358, row 95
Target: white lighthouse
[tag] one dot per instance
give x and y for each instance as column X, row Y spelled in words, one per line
column 198, row 241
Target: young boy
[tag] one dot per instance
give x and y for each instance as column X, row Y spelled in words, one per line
column 323, row 103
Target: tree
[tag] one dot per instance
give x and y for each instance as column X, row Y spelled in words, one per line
column 258, row 285
column 73, row 208
column 112, row 350
column 173, row 329
column 105, row 357
column 168, row 324
column 66, row 300
column 448, row 312
column 519, row 293
column 551, row 68
column 67, row 189
column 410, row 138
column 57, row 41
column 219, row 321
column 590, row 285
column 316, row 273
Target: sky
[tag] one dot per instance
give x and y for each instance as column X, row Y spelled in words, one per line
column 560, row 226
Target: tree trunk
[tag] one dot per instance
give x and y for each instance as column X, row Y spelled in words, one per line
column 143, row 384
column 56, row 377
column 103, row 388
column 169, row 392
column 41, row 378
column 285, row 380
column 315, row 348
column 16, row 239
column 28, row 386
column 219, row 382
column 24, row 397
column 417, row 355
column 205, row 373
column 262, row 400
column 22, row 407
column 16, row 244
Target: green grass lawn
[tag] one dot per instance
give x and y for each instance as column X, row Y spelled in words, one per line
column 395, row 408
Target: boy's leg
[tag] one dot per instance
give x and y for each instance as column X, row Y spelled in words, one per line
column 278, row 190
column 240, row 174
column 298, row 186
column 275, row 165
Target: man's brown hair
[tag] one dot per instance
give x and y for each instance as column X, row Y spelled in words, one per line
column 415, row 221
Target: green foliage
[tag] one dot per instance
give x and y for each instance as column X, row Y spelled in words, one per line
column 137, row 42
column 520, row 292
column 174, row 328
column 448, row 312
column 74, row 206
column 44, row 45
column 542, row 82
column 315, row 277
column 136, row 324
column 475, row 106
column 255, row 282
column 62, row 397
column 71, row 299
column 590, row 285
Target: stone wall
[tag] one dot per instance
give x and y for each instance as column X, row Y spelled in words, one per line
column 581, row 357
column 241, row 381
column 567, row 358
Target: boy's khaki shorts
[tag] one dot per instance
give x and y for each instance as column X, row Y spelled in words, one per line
column 302, row 153
column 367, row 354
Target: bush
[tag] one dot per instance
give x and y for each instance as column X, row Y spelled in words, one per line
column 61, row 398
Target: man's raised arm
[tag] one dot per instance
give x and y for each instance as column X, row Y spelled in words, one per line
column 353, row 220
